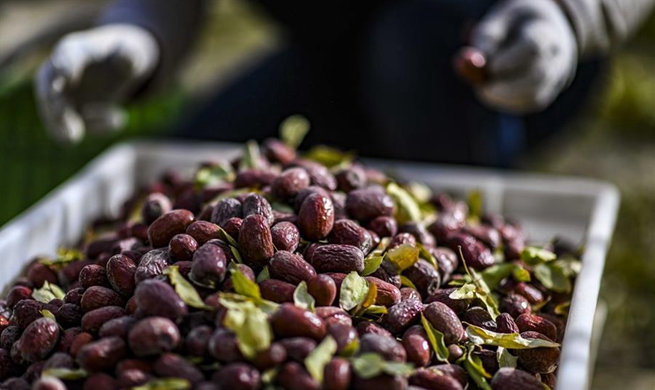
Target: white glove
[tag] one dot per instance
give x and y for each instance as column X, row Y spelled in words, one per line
column 90, row 73
column 531, row 54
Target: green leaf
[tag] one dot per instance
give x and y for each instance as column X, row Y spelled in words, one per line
column 328, row 156
column 436, row 340
column 165, row 384
column 214, row 175
column 57, row 291
column 184, row 289
column 369, row 300
column 425, row 254
column 563, row 308
column 263, row 275
column 571, row 267
column 47, row 314
column 350, row 349
column 419, row 191
column 302, row 298
column 369, row 365
column 407, row 210
column 482, row 291
column 505, row 359
column 226, row 237
column 354, row 290
column 489, row 303
column 250, row 324
column 65, row 373
column 532, row 255
column 475, row 204
column 293, row 130
column 244, row 286
column 521, row 274
column 371, row 264
column 375, row 310
column 251, row 156
column 467, row 291
column 317, row 359
column 236, row 254
column 398, row 369
column 480, row 336
column 405, row 282
column 48, row 292
column 475, row 369
column 269, row 375
column 64, row 256
column 553, row 277
column 403, row 256
column 496, row 273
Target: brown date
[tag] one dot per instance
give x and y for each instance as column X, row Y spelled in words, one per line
column 168, row 225
column 316, row 217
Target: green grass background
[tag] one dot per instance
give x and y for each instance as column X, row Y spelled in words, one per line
column 613, row 140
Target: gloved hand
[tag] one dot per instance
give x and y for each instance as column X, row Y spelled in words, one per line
column 90, row 73
column 531, row 54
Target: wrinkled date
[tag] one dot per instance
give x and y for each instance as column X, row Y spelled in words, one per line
column 271, row 270
column 38, row 339
column 255, row 241
column 445, row 320
column 316, row 217
column 209, row 265
column 153, row 336
column 286, row 236
column 168, row 225
column 290, row 267
column 120, row 272
column 156, row 298
column 151, row 265
column 291, row 321
column 338, row 258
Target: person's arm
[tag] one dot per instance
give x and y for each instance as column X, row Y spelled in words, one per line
column 173, row 23
column 602, row 24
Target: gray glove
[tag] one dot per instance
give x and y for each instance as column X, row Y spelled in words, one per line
column 531, row 54
column 90, row 73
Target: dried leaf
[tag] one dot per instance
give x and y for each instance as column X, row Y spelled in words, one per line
column 505, row 359
column 354, row 290
column 532, row 255
column 371, row 264
column 293, row 130
column 403, row 256
column 184, row 289
column 244, row 286
column 302, row 298
column 250, row 324
column 553, row 277
column 407, row 209
column 165, row 384
column 214, row 175
column 251, row 156
column 480, row 336
column 65, row 373
column 48, row 292
column 436, row 340
column 317, row 359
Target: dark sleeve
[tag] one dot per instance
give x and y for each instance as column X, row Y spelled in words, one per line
column 602, row 24
column 174, row 23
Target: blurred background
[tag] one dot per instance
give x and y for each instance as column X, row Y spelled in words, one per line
column 613, row 140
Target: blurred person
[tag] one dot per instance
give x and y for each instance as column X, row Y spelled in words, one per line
column 372, row 75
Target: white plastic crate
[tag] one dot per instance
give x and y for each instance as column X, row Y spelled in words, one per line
column 577, row 209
